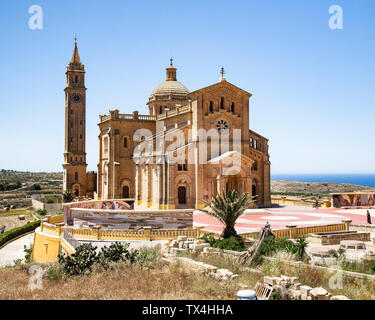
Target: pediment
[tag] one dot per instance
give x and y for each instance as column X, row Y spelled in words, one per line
column 232, row 155
column 220, row 87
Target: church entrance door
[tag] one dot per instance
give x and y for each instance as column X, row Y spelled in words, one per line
column 125, row 192
column 233, row 184
column 181, row 195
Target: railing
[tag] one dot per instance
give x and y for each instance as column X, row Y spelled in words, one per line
column 292, row 232
column 144, row 234
column 178, row 110
column 71, row 240
column 298, row 202
column 56, row 219
column 50, row 229
column 136, row 116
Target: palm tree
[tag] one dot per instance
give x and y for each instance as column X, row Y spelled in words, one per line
column 301, row 247
column 227, row 209
column 68, row 196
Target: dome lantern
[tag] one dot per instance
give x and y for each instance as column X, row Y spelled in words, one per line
column 171, row 72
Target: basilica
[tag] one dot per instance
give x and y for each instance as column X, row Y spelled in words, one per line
column 189, row 147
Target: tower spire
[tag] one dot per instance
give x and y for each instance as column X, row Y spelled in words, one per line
column 75, row 57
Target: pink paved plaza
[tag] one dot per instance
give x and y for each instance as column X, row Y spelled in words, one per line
column 252, row 220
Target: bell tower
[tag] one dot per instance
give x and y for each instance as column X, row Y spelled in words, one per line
column 74, row 165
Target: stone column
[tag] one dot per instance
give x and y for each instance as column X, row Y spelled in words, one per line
column 161, row 186
column 347, row 223
column 96, row 230
column 171, row 187
column 267, row 183
column 292, row 231
column 147, row 231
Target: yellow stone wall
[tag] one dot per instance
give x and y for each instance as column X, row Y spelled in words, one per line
column 46, row 247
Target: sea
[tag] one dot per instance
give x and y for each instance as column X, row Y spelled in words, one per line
column 367, row 180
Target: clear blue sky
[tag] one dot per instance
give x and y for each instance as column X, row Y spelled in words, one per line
column 313, row 87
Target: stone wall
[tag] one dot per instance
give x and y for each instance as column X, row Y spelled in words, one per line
column 331, row 238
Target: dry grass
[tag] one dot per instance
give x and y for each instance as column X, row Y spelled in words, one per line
column 123, row 282
column 356, row 289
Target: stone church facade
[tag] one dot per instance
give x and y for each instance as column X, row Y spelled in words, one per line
column 191, row 146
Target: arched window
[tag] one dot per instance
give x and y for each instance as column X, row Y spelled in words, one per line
column 232, row 107
column 105, row 146
column 160, row 110
column 76, row 79
column 211, row 106
column 222, row 103
column 76, row 175
column 125, row 142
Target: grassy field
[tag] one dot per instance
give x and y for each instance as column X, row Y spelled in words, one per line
column 125, row 282
column 11, row 218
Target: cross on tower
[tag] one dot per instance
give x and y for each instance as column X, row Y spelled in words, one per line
column 222, row 72
column 171, row 61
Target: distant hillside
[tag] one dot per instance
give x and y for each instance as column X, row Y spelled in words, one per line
column 284, row 187
column 17, row 187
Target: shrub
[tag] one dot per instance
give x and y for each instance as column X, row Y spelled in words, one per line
column 361, row 267
column 50, row 200
column 28, row 252
column 115, row 252
column 208, row 237
column 42, row 212
column 272, row 245
column 235, row 243
column 310, row 276
column 80, row 262
column 276, row 295
column 54, row 272
column 15, row 232
column 232, row 243
column 147, row 256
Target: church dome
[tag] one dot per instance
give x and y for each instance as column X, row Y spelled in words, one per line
column 170, row 88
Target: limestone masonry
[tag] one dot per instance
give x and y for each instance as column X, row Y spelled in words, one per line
column 189, row 147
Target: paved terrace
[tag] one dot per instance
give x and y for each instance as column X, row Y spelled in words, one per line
column 254, row 219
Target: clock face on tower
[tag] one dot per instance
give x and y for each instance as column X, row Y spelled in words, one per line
column 222, row 126
column 76, row 97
